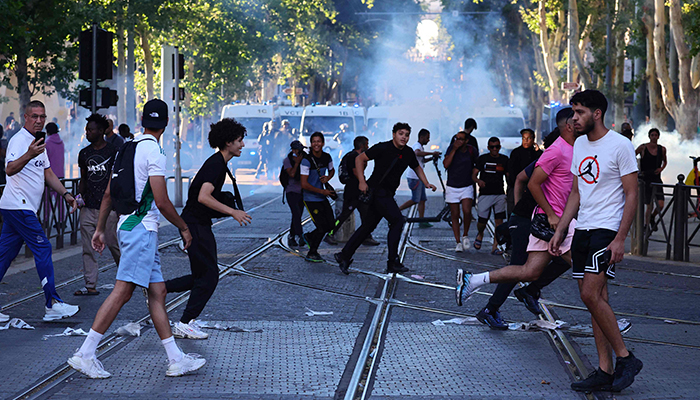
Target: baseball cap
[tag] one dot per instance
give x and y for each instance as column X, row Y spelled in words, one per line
column 155, row 114
column 296, row 145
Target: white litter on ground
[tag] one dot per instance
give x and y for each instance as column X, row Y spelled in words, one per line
column 106, row 286
column 228, row 328
column 456, row 321
column 312, row 313
column 130, row 329
column 68, row 332
column 419, row 277
column 16, row 323
column 536, row 325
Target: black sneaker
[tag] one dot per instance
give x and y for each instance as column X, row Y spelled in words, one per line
column 395, row 267
column 343, row 264
column 598, row 380
column 492, row 319
column 330, row 239
column 625, row 370
column 301, row 242
column 531, row 303
column 304, row 240
column 314, row 257
column 291, row 242
column 370, row 242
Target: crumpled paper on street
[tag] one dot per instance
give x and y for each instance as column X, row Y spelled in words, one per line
column 536, row 325
column 311, row 313
column 230, row 328
column 68, row 332
column 456, row 321
column 130, row 329
column 106, row 286
column 16, row 323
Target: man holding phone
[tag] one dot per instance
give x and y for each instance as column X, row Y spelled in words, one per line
column 28, row 170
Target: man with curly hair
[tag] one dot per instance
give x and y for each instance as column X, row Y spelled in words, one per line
column 226, row 136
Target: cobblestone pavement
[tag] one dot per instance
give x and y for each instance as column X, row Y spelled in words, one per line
column 287, row 354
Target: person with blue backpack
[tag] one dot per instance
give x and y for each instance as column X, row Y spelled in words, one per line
column 138, row 192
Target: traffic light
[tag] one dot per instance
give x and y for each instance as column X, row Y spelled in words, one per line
column 104, row 55
column 106, row 98
column 180, row 66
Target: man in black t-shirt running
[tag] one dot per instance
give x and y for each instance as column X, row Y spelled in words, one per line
column 95, row 163
column 390, row 161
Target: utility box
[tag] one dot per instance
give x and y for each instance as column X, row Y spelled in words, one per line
column 346, row 230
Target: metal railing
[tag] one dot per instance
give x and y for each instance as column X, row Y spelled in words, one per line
column 676, row 234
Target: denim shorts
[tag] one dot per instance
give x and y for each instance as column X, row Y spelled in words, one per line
column 417, row 190
column 140, row 261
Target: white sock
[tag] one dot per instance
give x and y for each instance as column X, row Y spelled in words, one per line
column 174, row 352
column 479, row 280
column 90, row 344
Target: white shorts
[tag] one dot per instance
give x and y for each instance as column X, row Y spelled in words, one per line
column 456, row 195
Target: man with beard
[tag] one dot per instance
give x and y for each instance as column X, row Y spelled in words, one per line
column 604, row 195
column 520, row 158
column 95, row 162
column 390, row 161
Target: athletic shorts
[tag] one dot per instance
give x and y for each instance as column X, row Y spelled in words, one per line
column 489, row 201
column 587, row 252
column 536, row 244
column 417, row 190
column 648, row 189
column 456, row 195
column 140, row 261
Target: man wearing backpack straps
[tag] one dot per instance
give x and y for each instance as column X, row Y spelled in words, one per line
column 138, row 239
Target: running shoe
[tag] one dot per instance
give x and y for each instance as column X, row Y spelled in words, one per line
column 626, row 368
column 598, row 380
column 370, row 241
column 343, row 264
column 395, row 267
column 330, row 239
column 425, row 225
column 4, row 317
column 291, row 242
column 492, row 319
column 314, row 257
column 304, row 239
column 188, row 363
column 531, row 303
column 60, row 310
column 465, row 243
column 459, row 248
column 91, row 367
column 463, row 291
column 188, row 331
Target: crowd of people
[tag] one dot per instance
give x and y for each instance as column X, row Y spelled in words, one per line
column 568, row 204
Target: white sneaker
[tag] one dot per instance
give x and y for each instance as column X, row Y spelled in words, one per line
column 459, row 248
column 59, row 311
column 188, row 331
column 465, row 243
column 190, row 362
column 4, row 317
column 91, row 367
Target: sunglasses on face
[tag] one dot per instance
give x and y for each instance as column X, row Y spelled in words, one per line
column 495, row 146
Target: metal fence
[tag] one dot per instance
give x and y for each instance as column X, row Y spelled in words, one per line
column 673, row 230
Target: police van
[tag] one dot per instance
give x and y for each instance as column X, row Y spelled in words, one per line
column 336, row 122
column 504, row 123
column 253, row 117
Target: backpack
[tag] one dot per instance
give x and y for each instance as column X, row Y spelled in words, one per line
column 284, row 177
column 344, row 172
column 123, row 188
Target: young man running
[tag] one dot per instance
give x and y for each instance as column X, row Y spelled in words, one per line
column 417, row 188
column 28, row 170
column 604, row 195
column 390, row 161
column 550, row 185
column 316, row 171
column 226, row 136
column 138, row 239
column 490, row 168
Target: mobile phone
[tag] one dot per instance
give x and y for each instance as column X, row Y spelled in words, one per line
column 40, row 135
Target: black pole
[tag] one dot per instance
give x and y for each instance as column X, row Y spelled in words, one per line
column 680, row 229
column 93, row 84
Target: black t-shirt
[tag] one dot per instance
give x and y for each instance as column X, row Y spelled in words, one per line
column 491, row 171
column 95, row 168
column 520, row 158
column 471, row 140
column 527, row 203
column 384, row 154
column 214, row 172
column 348, row 163
column 459, row 174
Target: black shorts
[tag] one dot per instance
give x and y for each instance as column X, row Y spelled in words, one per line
column 648, row 189
column 587, row 252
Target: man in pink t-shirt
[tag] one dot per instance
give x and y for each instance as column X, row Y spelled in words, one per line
column 550, row 185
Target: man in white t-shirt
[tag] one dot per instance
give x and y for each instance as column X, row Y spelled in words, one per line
column 604, row 194
column 28, row 168
column 138, row 240
column 418, row 195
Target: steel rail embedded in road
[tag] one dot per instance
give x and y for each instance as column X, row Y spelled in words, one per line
column 111, row 265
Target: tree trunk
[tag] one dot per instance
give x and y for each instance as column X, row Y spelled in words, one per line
column 148, row 61
column 657, row 112
column 618, row 66
column 121, row 76
column 582, row 69
column 547, row 53
column 22, row 89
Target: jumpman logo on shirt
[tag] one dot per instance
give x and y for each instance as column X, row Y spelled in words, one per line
column 588, row 170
